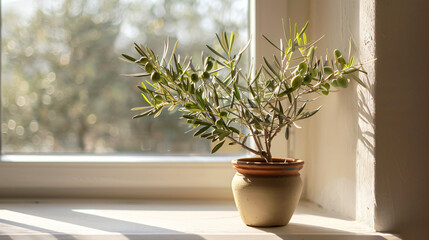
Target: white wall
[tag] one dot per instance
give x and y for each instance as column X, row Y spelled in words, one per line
column 402, row 113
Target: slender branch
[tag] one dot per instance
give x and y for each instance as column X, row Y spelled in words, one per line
column 254, row 136
column 246, row 147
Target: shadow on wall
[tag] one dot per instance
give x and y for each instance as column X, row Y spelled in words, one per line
column 366, row 130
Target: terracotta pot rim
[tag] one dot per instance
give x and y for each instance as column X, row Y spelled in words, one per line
column 261, row 162
column 255, row 166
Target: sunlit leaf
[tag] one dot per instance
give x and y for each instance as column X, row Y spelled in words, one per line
column 217, row 147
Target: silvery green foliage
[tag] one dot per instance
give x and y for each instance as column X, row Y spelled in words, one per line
column 222, row 102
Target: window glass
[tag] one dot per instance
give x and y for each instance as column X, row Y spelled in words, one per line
column 62, row 91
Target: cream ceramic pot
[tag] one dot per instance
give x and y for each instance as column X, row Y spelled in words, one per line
column 266, row 195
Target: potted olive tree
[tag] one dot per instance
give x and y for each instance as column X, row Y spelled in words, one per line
column 228, row 105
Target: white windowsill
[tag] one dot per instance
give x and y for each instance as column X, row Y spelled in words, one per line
column 121, row 219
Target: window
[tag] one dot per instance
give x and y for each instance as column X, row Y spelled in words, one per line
column 62, row 93
column 61, row 86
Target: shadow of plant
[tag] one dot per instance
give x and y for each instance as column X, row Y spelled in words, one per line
column 297, row 231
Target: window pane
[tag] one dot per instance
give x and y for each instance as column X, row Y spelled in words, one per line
column 61, row 85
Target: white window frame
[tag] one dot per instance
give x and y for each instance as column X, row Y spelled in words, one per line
column 115, row 176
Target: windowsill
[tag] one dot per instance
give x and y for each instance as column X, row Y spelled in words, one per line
column 133, row 219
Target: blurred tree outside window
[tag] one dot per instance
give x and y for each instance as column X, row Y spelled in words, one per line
column 62, row 91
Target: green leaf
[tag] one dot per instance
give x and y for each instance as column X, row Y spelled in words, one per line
column 188, row 117
column 284, row 29
column 245, row 139
column 328, row 70
column 172, row 53
column 314, row 73
column 257, row 76
column 129, row 58
column 281, row 107
column 301, row 108
column 206, row 135
column 216, row 97
column 271, row 68
column 139, row 50
column 309, row 114
column 147, row 113
column 201, row 122
column 221, row 43
column 267, row 73
column 147, row 100
column 311, row 55
column 251, row 103
column 215, row 52
column 203, row 129
column 343, row 82
column 219, row 145
column 136, row 75
column 223, row 135
column 351, row 71
column 285, row 92
column 225, row 39
column 236, row 92
column 235, row 130
column 225, row 87
column 358, row 80
column 200, row 99
column 150, row 84
column 268, row 40
column 277, row 62
column 287, row 132
column 192, row 107
column 337, row 53
column 158, row 112
column 327, row 86
column 252, row 91
column 303, row 29
column 231, row 41
column 143, row 89
column 140, row 108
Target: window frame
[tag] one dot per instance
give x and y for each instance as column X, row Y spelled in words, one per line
column 136, row 177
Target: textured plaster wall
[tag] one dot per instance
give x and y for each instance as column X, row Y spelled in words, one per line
column 365, row 159
column 402, row 113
